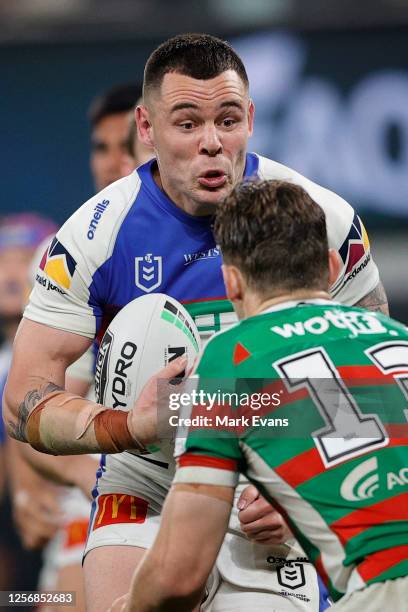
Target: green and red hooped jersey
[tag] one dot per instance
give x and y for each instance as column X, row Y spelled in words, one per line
column 329, row 447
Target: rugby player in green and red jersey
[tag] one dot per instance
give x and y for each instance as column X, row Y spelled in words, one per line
column 337, row 470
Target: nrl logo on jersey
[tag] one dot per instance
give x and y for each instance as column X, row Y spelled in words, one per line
column 148, row 272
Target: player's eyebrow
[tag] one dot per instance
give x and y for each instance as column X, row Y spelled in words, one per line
column 191, row 105
column 183, row 105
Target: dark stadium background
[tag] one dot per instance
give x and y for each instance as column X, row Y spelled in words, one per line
column 329, row 80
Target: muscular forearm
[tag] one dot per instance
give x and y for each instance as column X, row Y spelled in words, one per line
column 57, row 422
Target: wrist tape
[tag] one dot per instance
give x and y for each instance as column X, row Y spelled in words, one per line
column 110, row 430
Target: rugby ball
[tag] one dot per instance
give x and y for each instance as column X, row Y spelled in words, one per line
column 142, row 339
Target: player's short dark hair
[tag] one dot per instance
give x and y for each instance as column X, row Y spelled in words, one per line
column 200, row 56
column 275, row 234
column 119, row 99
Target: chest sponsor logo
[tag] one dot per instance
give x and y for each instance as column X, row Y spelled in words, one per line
column 364, row 480
column 356, row 323
column 190, row 258
column 148, row 272
column 291, row 575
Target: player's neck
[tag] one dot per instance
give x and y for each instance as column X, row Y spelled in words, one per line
column 254, row 304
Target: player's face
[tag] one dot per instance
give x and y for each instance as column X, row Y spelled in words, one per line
column 199, row 130
column 109, row 151
column 14, row 265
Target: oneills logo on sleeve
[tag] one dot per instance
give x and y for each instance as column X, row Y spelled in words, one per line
column 58, row 264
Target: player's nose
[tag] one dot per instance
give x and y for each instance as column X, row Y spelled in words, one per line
column 210, row 143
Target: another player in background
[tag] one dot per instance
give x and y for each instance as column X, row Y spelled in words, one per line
column 37, row 522
column 109, row 116
column 336, row 473
column 152, row 231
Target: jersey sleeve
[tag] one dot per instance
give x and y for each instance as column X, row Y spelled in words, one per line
column 210, row 454
column 346, row 234
column 71, row 282
column 84, row 367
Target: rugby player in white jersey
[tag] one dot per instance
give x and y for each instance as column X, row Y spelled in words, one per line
column 197, row 115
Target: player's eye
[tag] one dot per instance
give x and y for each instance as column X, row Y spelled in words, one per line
column 99, row 147
column 228, row 122
column 187, row 125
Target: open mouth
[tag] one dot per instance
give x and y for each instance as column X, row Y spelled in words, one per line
column 213, row 179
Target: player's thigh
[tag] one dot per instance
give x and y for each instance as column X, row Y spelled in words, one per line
column 71, row 578
column 108, row 571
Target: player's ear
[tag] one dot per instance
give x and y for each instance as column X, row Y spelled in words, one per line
column 233, row 282
column 334, row 266
column 144, row 125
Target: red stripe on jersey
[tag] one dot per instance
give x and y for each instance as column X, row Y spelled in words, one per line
column 398, row 432
column 309, row 464
column 189, row 459
column 367, row 371
column 321, row 570
column 213, row 299
column 301, row 468
column 370, row 373
column 393, row 509
column 379, row 562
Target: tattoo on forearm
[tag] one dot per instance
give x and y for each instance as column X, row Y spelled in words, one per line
column 31, row 399
column 376, row 300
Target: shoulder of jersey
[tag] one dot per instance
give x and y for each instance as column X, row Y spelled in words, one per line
column 339, row 213
column 90, row 233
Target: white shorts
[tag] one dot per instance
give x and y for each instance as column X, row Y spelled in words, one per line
column 67, row 546
column 247, row 576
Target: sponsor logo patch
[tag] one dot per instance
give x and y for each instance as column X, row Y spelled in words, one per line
column 58, row 264
column 190, row 258
column 364, row 480
column 354, row 249
column 120, row 508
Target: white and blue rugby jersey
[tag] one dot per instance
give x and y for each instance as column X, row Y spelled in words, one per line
column 131, row 239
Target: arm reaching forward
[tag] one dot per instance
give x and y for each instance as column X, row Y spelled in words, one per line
column 38, row 410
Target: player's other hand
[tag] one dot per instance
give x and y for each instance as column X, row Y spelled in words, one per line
column 259, row 520
column 37, row 515
column 147, row 419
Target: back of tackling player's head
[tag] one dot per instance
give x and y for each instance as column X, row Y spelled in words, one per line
column 275, row 234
